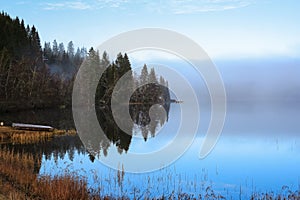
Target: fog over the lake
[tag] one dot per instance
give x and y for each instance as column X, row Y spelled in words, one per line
column 258, row 79
column 262, row 94
column 269, row 80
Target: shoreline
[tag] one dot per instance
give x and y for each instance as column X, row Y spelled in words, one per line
column 10, row 134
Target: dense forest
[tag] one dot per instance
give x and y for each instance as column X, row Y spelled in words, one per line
column 32, row 76
column 27, row 76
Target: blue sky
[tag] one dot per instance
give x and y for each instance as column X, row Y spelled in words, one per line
column 224, row 28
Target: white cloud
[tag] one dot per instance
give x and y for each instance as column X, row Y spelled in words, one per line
column 192, row 6
column 84, row 5
column 111, row 3
column 21, row 3
column 74, row 5
column 171, row 6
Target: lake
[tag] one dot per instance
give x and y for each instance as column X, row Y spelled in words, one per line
column 258, row 152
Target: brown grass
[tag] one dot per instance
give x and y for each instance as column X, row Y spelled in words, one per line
column 18, row 181
column 28, row 137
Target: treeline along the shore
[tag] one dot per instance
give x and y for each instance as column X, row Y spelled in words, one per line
column 32, row 76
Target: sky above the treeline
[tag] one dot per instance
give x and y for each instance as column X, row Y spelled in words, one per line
column 225, row 29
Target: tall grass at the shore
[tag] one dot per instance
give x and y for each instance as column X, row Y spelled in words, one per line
column 28, row 137
column 31, row 137
column 18, row 180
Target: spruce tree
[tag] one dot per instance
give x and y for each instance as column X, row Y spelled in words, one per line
column 152, row 76
column 144, row 75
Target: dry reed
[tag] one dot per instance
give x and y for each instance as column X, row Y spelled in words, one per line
column 9, row 134
column 18, row 180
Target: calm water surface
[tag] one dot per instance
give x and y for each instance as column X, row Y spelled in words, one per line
column 258, row 152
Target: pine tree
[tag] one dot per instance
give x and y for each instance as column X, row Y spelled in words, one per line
column 162, row 81
column 61, row 51
column 71, row 50
column 144, row 75
column 105, row 60
column 47, row 51
column 152, row 76
column 55, row 49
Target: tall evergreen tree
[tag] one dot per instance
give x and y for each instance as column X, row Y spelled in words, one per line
column 71, row 50
column 152, row 76
column 55, row 48
column 105, row 59
column 144, row 75
column 162, row 81
column 47, row 51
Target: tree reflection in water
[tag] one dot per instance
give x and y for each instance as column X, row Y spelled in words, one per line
column 148, row 112
column 142, row 121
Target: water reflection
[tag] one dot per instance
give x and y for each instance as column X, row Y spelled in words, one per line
column 250, row 167
column 56, row 148
column 257, row 152
column 143, row 119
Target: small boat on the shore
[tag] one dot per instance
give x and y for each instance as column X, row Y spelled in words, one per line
column 176, row 101
column 32, row 127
